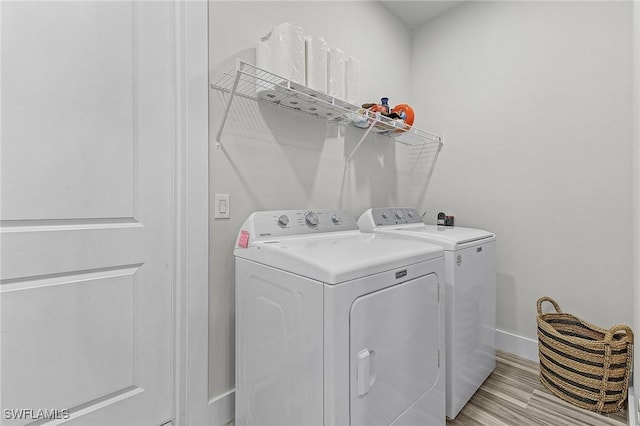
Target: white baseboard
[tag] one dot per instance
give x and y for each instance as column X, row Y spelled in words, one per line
column 633, row 408
column 223, row 407
column 517, row 345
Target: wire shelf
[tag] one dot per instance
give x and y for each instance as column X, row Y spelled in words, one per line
column 249, row 81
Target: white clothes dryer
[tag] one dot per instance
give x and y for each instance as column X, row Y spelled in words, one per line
column 334, row 326
column 470, row 274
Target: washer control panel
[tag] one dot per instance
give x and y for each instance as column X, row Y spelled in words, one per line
column 395, row 216
column 277, row 223
column 388, row 216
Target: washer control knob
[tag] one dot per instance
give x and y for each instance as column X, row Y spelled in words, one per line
column 385, row 214
column 398, row 214
column 283, row 221
column 337, row 220
column 410, row 213
column 311, row 219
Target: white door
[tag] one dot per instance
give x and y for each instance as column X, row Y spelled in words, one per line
column 87, row 211
column 394, row 350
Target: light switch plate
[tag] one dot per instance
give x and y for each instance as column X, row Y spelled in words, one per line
column 221, row 206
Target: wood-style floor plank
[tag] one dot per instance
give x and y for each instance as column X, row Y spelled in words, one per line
column 513, row 396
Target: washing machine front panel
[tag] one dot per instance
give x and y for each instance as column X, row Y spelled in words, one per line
column 470, row 258
column 279, row 324
column 295, row 297
column 471, row 308
column 394, row 350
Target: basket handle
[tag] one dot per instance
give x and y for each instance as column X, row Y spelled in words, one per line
column 618, row 329
column 550, row 300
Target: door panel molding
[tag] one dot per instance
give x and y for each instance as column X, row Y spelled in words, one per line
column 94, row 405
column 48, row 280
column 43, row 225
column 71, row 110
column 75, row 339
column 34, row 253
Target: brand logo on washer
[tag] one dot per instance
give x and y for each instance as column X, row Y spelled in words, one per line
column 401, row 274
column 459, row 260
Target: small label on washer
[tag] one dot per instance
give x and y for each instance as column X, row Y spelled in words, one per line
column 243, row 240
column 401, row 274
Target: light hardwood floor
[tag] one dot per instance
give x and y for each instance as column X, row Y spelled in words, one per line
column 513, row 396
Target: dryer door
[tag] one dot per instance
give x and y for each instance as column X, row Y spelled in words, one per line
column 394, row 336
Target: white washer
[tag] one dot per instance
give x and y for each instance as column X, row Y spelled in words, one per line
column 336, row 327
column 470, row 273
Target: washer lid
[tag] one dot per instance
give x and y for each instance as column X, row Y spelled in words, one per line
column 449, row 237
column 337, row 257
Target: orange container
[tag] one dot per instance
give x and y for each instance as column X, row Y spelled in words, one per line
column 408, row 111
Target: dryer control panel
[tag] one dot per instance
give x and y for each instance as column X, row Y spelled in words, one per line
column 265, row 225
column 388, row 216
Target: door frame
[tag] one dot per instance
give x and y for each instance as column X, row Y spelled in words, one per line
column 191, row 212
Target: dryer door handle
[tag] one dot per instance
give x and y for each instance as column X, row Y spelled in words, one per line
column 366, row 372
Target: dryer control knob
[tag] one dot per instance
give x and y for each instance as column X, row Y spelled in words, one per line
column 283, row 221
column 385, row 214
column 398, row 213
column 311, row 219
column 336, row 219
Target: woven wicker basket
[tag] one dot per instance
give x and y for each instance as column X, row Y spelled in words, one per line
column 584, row 364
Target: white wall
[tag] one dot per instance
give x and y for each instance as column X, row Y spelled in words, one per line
column 277, row 159
column 534, row 99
